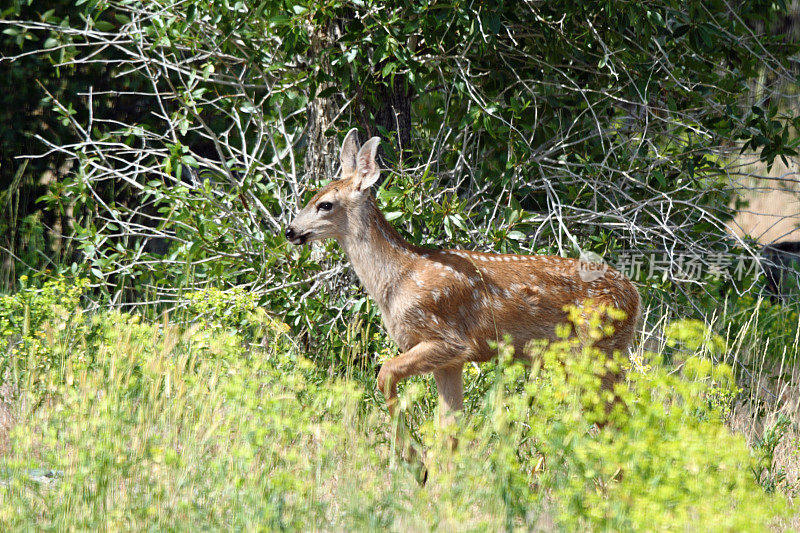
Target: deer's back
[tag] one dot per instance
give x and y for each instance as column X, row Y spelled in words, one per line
column 467, row 299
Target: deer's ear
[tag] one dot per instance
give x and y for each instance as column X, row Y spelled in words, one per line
column 349, row 153
column 367, row 170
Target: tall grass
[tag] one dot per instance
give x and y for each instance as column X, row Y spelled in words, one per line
column 185, row 425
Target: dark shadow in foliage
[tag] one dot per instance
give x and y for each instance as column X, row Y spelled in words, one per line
column 781, row 264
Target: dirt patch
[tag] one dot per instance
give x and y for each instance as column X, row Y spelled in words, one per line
column 773, row 211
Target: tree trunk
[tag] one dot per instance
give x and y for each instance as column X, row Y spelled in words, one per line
column 322, row 153
column 395, row 112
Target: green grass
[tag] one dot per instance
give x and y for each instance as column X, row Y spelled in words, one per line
column 172, row 425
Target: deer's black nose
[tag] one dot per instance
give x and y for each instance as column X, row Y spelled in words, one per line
column 290, row 234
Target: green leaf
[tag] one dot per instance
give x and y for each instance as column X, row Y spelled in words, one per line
column 191, row 13
column 388, row 68
column 328, row 91
column 104, row 25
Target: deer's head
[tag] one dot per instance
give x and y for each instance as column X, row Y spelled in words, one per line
column 331, row 212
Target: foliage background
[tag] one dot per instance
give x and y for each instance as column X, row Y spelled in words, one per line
column 180, row 138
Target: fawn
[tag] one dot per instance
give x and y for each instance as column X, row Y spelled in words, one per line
column 444, row 307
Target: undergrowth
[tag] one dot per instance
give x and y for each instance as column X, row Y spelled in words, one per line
column 187, row 423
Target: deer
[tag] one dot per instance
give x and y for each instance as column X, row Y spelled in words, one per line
column 444, row 307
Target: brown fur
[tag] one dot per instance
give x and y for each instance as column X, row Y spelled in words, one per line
column 444, row 307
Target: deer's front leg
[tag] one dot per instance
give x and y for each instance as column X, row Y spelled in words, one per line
column 423, row 358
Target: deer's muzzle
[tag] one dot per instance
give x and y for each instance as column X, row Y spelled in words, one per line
column 295, row 238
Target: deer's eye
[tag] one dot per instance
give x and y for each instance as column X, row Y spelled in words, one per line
column 324, row 206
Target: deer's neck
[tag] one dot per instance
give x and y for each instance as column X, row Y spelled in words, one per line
column 378, row 253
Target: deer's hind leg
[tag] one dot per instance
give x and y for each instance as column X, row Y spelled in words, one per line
column 450, row 386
